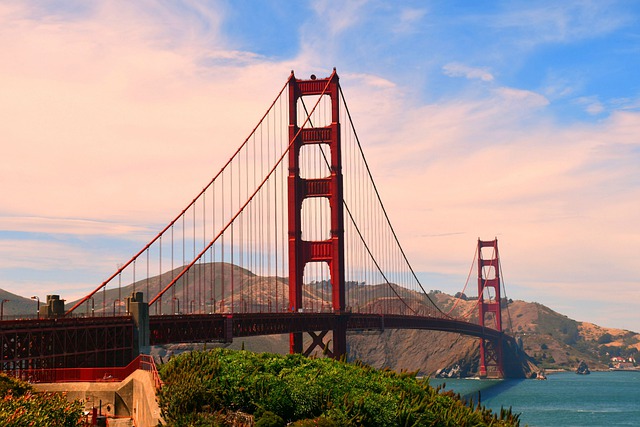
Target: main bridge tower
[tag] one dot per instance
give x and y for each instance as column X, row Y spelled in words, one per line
column 490, row 309
column 330, row 251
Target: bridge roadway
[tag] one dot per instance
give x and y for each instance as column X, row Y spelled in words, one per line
column 223, row 327
column 70, row 342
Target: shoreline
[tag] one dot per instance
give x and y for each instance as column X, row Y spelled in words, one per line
column 558, row 371
column 546, row 372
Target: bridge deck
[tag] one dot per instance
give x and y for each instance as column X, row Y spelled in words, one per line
column 223, row 327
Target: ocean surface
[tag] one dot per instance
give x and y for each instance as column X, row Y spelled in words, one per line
column 564, row 399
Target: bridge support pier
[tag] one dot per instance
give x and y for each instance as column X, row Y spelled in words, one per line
column 338, row 340
column 340, row 337
column 140, row 312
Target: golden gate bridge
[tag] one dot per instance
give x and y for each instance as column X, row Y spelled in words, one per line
column 289, row 237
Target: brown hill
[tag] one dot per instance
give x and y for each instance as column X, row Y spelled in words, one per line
column 557, row 342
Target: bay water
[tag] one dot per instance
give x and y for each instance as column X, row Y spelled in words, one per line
column 564, row 399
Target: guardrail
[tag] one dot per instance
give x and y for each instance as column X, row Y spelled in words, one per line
column 147, row 363
column 108, row 374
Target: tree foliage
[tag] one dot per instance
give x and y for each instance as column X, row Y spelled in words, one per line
column 21, row 406
column 605, row 338
column 297, row 388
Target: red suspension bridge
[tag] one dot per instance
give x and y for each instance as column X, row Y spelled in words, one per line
column 289, row 237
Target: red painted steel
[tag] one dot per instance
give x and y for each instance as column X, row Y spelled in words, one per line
column 212, row 327
column 66, row 343
column 491, row 362
column 99, row 374
column 330, row 251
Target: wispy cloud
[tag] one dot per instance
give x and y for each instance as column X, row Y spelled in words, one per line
column 38, row 254
column 338, row 15
column 461, row 70
column 591, row 105
column 71, row 226
column 548, row 22
column 410, row 20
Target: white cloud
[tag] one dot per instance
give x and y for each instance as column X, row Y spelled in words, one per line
column 101, row 116
column 591, row 105
column 524, row 98
column 373, row 81
column 460, row 70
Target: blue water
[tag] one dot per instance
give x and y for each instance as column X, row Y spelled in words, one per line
column 564, row 399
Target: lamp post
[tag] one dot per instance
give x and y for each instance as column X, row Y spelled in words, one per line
column 93, row 307
column 178, row 300
column 38, row 302
column 192, row 306
column 117, row 300
column 2, row 308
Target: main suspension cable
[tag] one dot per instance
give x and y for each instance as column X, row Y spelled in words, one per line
column 395, row 236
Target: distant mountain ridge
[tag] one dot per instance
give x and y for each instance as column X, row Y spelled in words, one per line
column 18, row 306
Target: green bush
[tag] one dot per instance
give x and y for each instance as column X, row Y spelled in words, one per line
column 11, row 385
column 20, row 405
column 296, row 388
column 605, row 338
column 316, row 422
column 269, row 419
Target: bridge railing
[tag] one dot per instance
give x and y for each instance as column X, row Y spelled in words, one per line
column 34, row 316
column 110, row 374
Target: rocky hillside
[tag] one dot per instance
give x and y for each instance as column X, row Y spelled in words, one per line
column 557, row 342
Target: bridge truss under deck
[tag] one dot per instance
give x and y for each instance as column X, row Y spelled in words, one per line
column 66, row 343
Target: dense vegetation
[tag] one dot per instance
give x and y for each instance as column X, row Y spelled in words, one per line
column 211, row 387
column 21, row 406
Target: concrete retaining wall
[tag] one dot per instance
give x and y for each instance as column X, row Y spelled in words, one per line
column 134, row 397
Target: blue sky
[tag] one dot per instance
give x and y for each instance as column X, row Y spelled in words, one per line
column 479, row 119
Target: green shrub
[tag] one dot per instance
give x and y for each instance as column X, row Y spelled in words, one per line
column 605, row 338
column 316, row 422
column 20, row 405
column 11, row 385
column 294, row 388
column 269, row 419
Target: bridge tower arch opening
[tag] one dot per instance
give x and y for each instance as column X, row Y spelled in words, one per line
column 489, row 307
column 305, row 185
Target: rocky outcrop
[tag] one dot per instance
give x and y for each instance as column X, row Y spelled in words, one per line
column 434, row 353
column 582, row 368
column 453, row 372
column 419, row 351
